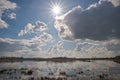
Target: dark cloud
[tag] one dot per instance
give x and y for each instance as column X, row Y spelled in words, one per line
column 100, row 21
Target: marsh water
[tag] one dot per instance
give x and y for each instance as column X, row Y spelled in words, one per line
column 77, row 70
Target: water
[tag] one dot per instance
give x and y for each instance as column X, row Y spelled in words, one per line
column 77, row 70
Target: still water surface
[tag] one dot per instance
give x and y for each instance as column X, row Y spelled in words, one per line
column 77, row 70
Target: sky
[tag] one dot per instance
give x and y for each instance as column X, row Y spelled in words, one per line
column 60, row 28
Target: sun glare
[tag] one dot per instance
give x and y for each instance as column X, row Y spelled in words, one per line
column 56, row 9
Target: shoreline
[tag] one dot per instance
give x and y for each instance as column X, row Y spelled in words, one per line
column 55, row 59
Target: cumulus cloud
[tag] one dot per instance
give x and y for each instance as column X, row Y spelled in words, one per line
column 100, row 21
column 5, row 5
column 33, row 28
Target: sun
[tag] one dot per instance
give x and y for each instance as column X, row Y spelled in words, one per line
column 56, row 9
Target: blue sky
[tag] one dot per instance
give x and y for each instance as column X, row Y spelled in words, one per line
column 31, row 11
column 84, row 28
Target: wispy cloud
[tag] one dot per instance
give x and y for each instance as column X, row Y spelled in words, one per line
column 90, row 48
column 57, row 48
column 14, row 45
column 34, row 47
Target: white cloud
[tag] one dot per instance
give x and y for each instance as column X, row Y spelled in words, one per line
column 3, row 24
column 5, row 5
column 57, row 48
column 84, row 45
column 39, row 41
column 45, row 37
column 24, row 47
column 28, row 28
column 7, row 40
column 90, row 48
column 34, row 44
column 34, row 47
column 12, row 16
column 38, row 27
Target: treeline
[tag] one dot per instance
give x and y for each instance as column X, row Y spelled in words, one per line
column 55, row 59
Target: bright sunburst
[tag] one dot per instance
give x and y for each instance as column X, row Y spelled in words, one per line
column 56, row 9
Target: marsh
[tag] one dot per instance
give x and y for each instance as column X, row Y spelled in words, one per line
column 44, row 70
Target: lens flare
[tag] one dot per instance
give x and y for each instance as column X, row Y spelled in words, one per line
column 56, row 9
